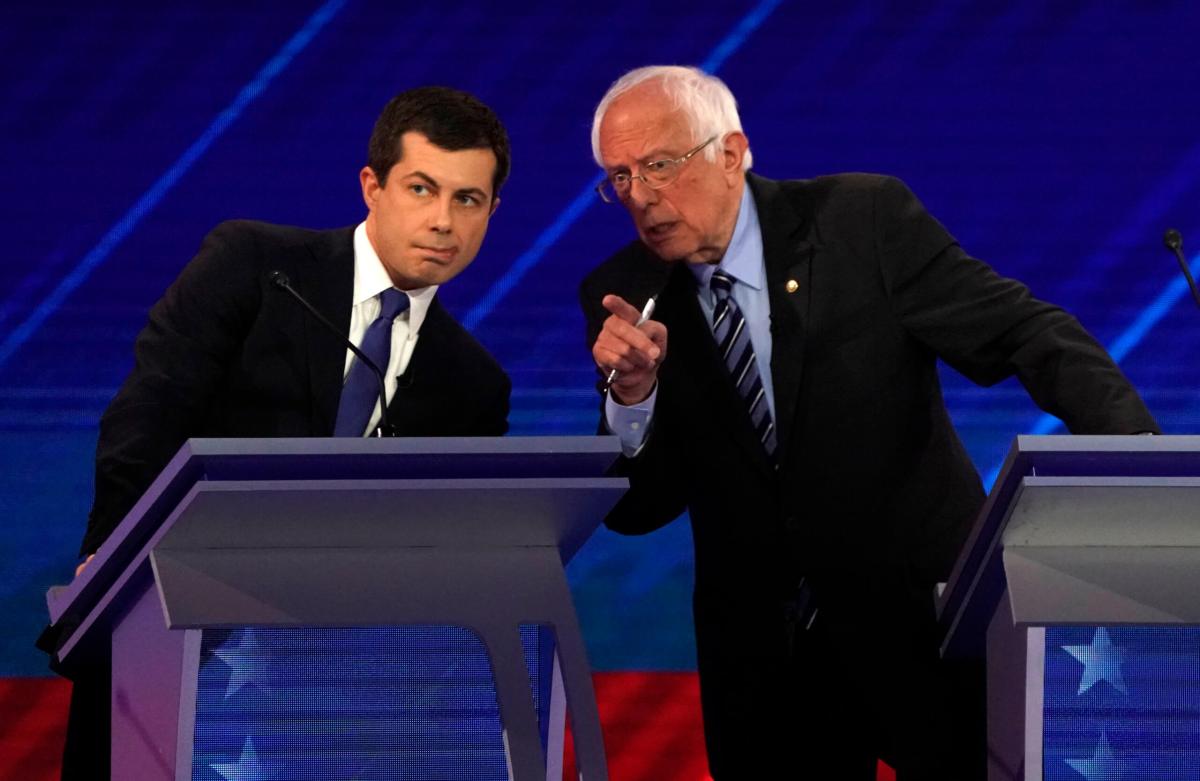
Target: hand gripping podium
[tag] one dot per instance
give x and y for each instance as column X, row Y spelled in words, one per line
column 242, row 538
column 1080, row 533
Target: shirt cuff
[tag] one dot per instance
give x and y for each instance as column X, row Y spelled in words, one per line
column 630, row 423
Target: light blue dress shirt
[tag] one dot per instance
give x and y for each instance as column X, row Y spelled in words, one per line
column 743, row 261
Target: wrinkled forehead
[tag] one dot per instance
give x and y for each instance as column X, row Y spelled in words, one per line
column 641, row 124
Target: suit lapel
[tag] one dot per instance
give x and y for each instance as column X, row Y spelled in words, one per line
column 420, row 398
column 789, row 251
column 328, row 283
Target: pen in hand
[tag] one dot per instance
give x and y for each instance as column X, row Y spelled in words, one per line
column 647, row 311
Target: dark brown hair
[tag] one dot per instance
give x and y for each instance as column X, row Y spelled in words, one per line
column 449, row 118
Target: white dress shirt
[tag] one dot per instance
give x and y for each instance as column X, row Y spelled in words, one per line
column 371, row 279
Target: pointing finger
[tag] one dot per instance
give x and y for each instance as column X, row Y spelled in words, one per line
column 621, row 308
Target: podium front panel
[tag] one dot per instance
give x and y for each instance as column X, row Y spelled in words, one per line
column 1121, row 702
column 400, row 703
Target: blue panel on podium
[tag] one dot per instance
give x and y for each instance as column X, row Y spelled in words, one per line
column 1122, row 703
column 393, row 703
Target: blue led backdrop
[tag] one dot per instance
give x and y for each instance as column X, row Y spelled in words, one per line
column 1056, row 140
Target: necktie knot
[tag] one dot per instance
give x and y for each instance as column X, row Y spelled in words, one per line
column 392, row 303
column 721, row 285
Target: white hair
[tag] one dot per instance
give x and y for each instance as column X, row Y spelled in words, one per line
column 708, row 104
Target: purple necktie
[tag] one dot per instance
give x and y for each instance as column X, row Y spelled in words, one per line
column 360, row 393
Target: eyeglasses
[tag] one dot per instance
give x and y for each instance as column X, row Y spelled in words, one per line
column 655, row 175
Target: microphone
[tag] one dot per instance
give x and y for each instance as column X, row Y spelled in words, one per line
column 1174, row 243
column 385, row 429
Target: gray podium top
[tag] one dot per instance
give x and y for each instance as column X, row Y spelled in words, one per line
column 323, row 494
column 1082, row 530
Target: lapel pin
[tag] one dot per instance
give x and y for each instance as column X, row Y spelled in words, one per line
column 792, row 286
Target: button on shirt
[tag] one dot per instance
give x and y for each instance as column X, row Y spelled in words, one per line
column 371, row 279
column 743, row 261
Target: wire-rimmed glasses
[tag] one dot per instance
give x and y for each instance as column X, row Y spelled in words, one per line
column 655, row 174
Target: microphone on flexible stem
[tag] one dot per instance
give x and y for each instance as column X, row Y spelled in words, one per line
column 1174, row 243
column 385, row 428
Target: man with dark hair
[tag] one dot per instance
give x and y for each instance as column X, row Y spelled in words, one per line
column 227, row 354
column 450, row 119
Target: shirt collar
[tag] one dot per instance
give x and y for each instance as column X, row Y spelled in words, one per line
column 743, row 259
column 371, row 279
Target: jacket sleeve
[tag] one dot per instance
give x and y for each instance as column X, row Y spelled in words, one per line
column 180, row 357
column 989, row 327
column 657, row 494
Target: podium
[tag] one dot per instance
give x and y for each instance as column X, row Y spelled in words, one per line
column 315, row 543
column 1083, row 538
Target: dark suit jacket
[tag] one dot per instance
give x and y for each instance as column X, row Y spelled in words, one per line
column 874, row 493
column 225, row 354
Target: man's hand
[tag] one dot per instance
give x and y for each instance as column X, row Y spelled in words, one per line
column 83, row 564
column 635, row 352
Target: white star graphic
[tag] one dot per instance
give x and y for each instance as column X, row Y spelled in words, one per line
column 247, row 768
column 1101, row 662
column 246, row 661
column 1102, row 766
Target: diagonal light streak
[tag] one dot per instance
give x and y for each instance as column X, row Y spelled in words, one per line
column 167, row 181
column 527, row 260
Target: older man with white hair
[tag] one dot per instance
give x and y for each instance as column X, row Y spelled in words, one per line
column 786, row 393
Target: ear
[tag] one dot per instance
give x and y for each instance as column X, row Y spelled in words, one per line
column 370, row 186
column 733, row 149
column 495, row 205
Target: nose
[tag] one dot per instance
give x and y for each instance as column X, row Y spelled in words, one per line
column 442, row 218
column 640, row 194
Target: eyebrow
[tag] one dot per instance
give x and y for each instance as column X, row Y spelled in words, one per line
column 651, row 157
column 463, row 191
column 656, row 154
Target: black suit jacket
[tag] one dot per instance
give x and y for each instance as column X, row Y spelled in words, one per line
column 225, row 354
column 874, row 493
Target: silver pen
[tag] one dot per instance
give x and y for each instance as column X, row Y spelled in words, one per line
column 647, row 311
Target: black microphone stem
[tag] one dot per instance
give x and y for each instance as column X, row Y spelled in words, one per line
column 1174, row 242
column 280, row 280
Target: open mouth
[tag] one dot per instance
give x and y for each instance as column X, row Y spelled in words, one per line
column 661, row 231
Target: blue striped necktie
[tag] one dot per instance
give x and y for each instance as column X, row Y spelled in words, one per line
column 360, row 393
column 733, row 341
